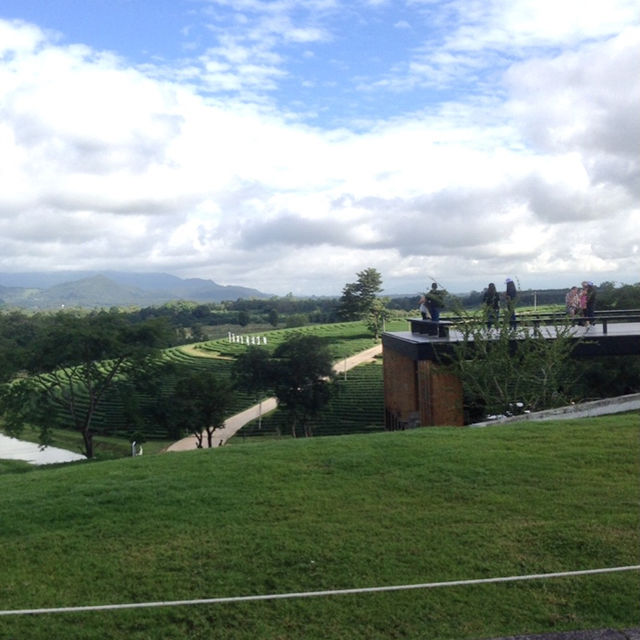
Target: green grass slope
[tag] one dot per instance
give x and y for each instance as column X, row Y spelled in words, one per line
column 331, row 513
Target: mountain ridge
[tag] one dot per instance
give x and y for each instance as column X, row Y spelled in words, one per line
column 98, row 289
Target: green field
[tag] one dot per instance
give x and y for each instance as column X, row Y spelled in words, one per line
column 356, row 405
column 426, row 505
column 343, row 340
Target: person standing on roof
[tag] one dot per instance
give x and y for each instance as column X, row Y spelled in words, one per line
column 435, row 301
column 424, row 311
column 590, row 311
column 572, row 302
column 491, row 300
column 510, row 296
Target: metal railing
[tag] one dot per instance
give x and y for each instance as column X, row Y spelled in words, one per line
column 532, row 318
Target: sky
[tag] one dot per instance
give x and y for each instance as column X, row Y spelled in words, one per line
column 287, row 145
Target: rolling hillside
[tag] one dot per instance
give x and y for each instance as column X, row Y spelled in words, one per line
column 429, row 505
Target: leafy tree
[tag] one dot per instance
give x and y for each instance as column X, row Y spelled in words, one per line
column 243, row 318
column 274, row 318
column 201, row 402
column 78, row 359
column 350, row 308
column 503, row 367
column 376, row 316
column 17, row 334
column 197, row 332
column 154, row 381
column 609, row 376
column 296, row 320
column 301, row 371
column 357, row 297
column 253, row 372
column 22, row 402
column 610, row 297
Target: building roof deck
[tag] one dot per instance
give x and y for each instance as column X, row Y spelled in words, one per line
column 611, row 338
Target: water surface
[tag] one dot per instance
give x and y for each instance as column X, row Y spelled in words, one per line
column 13, row 449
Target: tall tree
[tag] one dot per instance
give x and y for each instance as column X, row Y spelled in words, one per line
column 274, row 317
column 79, row 358
column 376, row 316
column 357, row 297
column 302, row 371
column 201, row 402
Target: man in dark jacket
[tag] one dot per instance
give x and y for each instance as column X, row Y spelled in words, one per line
column 510, row 296
column 435, row 302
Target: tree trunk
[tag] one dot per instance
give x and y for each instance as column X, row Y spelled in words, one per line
column 87, row 436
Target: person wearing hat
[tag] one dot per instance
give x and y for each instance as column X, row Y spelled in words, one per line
column 510, row 296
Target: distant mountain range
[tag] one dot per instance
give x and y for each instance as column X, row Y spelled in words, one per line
column 93, row 289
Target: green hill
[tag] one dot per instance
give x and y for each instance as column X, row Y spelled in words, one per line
column 427, row 505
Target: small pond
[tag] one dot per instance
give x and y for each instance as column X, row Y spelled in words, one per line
column 12, row 449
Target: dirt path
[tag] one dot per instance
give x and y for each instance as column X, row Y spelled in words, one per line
column 233, row 424
column 193, row 350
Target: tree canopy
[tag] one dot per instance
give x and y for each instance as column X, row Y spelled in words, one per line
column 201, row 402
column 76, row 362
column 357, row 297
column 302, row 369
column 503, row 369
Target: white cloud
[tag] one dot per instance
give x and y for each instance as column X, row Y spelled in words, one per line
column 17, row 38
column 473, row 38
column 107, row 165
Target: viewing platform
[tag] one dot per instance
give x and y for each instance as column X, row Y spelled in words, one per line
column 419, row 390
column 616, row 333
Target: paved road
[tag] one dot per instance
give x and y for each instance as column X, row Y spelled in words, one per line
column 235, row 423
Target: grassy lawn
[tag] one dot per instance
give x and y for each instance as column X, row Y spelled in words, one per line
column 331, row 513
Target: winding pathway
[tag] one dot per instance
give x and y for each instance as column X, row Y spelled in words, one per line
column 233, row 424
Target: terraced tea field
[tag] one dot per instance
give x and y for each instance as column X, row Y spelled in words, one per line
column 356, row 405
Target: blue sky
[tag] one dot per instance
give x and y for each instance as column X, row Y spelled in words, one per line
column 327, row 63
column 288, row 144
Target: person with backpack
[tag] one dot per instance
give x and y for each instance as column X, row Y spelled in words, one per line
column 434, row 301
column 491, row 300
